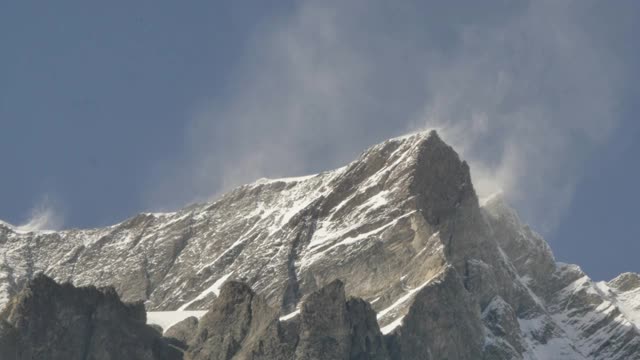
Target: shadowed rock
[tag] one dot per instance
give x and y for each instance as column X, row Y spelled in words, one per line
column 324, row 332
column 442, row 323
column 180, row 333
column 367, row 342
column 61, row 322
column 237, row 318
column 241, row 326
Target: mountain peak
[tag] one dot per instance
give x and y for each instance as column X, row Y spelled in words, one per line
column 625, row 281
column 389, row 224
column 442, row 180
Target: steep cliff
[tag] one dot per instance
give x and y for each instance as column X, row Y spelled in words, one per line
column 401, row 226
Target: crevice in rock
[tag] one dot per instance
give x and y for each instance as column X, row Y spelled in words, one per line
column 182, row 243
column 308, row 222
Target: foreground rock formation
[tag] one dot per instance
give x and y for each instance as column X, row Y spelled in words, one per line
column 61, row 322
column 447, row 275
column 240, row 325
column 52, row 321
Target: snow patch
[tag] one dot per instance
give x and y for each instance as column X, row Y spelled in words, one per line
column 289, row 315
column 392, row 325
column 215, row 288
column 167, row 319
column 628, row 302
column 400, row 301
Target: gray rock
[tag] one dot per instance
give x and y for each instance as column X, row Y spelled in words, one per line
column 390, row 223
column 367, row 342
column 182, row 332
column 500, row 318
column 10, row 345
column 51, row 321
column 241, row 326
column 442, row 323
column 237, row 319
column 325, row 330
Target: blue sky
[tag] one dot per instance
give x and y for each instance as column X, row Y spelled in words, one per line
column 110, row 109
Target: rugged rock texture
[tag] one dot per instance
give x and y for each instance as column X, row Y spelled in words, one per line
column 401, row 225
column 442, row 323
column 237, row 319
column 51, row 321
column 240, row 325
column 332, row 328
column 325, row 326
column 182, row 332
column 367, row 342
column 10, row 346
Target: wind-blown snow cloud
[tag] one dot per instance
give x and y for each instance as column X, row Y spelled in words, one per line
column 43, row 217
column 525, row 101
column 523, row 90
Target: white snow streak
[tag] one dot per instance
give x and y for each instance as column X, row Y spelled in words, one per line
column 215, row 288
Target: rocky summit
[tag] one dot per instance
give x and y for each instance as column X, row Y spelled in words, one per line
column 390, row 257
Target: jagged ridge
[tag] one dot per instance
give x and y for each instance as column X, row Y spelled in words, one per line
column 391, row 224
column 51, row 321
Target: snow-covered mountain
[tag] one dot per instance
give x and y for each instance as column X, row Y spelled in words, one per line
column 403, row 228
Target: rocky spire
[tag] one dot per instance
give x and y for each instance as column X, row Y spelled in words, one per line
column 239, row 325
column 441, row 180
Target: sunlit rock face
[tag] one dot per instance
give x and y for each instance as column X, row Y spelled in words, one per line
column 401, row 227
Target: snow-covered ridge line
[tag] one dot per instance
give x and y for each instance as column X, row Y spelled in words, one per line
column 24, row 229
column 420, row 134
column 378, row 223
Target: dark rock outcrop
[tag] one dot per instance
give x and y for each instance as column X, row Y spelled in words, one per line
column 179, row 334
column 367, row 342
column 442, row 323
column 237, row 319
column 332, row 328
column 240, row 325
column 61, row 322
column 324, row 332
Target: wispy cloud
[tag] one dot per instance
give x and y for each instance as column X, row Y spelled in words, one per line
column 523, row 90
column 526, row 101
column 44, row 216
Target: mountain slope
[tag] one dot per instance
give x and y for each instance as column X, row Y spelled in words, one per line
column 401, row 225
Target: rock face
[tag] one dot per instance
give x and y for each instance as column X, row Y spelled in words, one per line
column 240, row 325
column 238, row 317
column 441, row 307
column 182, row 332
column 51, row 321
column 448, row 276
column 332, row 328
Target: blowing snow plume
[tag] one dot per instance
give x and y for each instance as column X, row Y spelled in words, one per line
column 523, row 90
column 526, row 101
column 43, row 217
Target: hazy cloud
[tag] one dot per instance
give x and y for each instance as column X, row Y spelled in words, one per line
column 526, row 101
column 522, row 90
column 43, row 216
